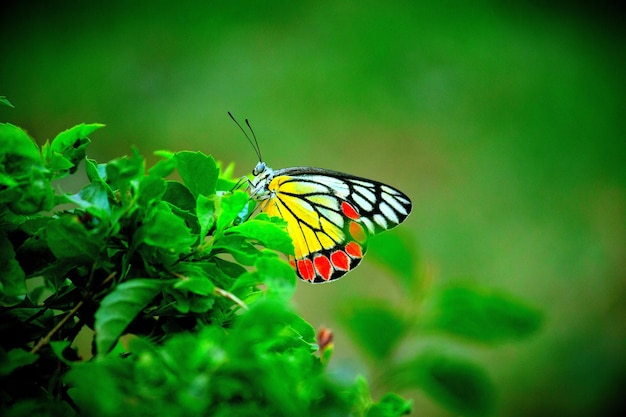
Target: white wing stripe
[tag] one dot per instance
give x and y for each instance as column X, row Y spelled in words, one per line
column 362, row 203
column 380, row 220
column 366, row 193
column 332, row 216
column 388, row 212
column 395, row 203
column 368, row 223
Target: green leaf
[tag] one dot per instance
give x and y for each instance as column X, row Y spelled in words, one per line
column 198, row 171
column 123, row 174
column 360, row 397
column 238, row 246
column 164, row 167
column 71, row 146
column 192, row 278
column 375, row 325
column 5, row 102
column 230, row 208
column 120, row 307
column 69, row 239
column 24, row 182
column 94, row 195
column 12, row 277
column 28, row 192
column 61, row 348
column 480, row 315
column 396, row 252
column 456, row 383
column 180, row 196
column 269, row 325
column 205, row 212
column 151, row 189
column 163, row 229
column 16, row 143
column 269, row 234
column 391, row 405
column 277, row 274
column 13, row 359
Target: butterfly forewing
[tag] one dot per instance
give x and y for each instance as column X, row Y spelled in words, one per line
column 330, row 216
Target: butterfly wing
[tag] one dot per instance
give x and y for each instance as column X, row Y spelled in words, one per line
column 330, row 216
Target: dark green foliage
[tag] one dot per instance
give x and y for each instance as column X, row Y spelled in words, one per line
column 177, row 303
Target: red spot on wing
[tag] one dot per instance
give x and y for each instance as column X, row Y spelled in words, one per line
column 305, row 269
column 354, row 249
column 340, row 260
column 357, row 232
column 349, row 211
column 323, row 266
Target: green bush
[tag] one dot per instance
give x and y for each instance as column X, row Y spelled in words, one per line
column 185, row 300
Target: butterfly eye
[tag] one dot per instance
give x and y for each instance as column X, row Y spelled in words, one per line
column 260, row 167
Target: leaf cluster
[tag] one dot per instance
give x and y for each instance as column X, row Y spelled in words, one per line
column 180, row 298
column 422, row 341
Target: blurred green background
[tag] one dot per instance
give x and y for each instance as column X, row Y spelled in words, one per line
column 504, row 121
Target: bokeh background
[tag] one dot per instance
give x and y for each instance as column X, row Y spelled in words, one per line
column 505, row 122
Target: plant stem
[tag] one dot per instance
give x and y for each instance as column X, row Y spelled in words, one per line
column 44, row 341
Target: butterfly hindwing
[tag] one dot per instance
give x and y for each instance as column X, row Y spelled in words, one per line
column 330, row 216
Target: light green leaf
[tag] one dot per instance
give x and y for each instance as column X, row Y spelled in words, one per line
column 277, row 274
column 70, row 146
column 16, row 143
column 124, row 174
column 479, row 314
column 198, row 171
column 375, row 325
column 13, row 359
column 163, row 229
column 391, row 405
column 164, row 167
column 196, row 284
column 397, row 253
column 120, row 307
column 5, row 102
column 269, row 234
column 205, row 211
column 230, row 208
column 456, row 383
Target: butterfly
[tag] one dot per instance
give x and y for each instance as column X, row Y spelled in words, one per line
column 330, row 215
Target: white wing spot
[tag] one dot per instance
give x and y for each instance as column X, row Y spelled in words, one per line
column 380, row 220
column 362, row 203
column 368, row 194
column 339, row 186
column 363, row 183
column 395, row 203
column 389, row 213
column 332, row 216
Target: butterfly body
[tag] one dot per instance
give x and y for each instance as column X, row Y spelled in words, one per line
column 329, row 215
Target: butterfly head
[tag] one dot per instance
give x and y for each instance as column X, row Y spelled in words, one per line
column 259, row 169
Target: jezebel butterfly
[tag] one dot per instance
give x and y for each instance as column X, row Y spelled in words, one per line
column 330, row 215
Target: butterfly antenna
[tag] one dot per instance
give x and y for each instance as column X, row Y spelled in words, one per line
column 255, row 144
column 255, row 141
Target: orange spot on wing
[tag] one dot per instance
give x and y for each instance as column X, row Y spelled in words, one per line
column 357, row 232
column 353, row 249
